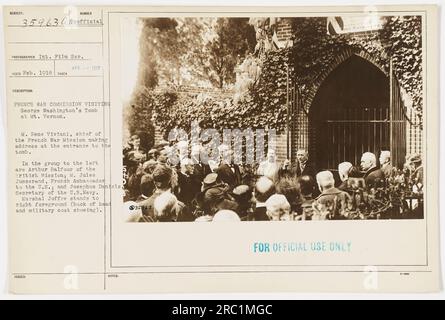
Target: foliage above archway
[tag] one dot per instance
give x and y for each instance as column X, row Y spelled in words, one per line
column 403, row 38
column 315, row 52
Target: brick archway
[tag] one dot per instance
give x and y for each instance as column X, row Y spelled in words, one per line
column 345, row 55
column 349, row 112
column 300, row 131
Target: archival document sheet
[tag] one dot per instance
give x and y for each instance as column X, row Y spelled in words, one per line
column 222, row 149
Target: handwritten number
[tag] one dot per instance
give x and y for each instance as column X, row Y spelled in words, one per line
column 50, row 22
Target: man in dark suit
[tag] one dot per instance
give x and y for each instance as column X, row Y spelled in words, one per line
column 228, row 172
column 374, row 177
column 200, row 169
column 332, row 203
column 188, row 186
column 415, row 161
column 302, row 168
column 162, row 175
column 385, row 163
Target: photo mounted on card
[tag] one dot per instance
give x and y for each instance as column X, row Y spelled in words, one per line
column 284, row 116
column 264, row 149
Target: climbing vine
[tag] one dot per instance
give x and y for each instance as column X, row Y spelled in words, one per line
column 314, row 51
column 263, row 102
column 262, row 106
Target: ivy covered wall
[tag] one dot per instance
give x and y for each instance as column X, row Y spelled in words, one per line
column 314, row 52
column 262, row 106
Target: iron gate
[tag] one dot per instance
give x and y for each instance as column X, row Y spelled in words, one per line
column 346, row 132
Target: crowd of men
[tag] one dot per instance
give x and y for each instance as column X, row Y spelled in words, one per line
column 157, row 190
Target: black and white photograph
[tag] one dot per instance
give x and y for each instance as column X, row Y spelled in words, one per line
column 273, row 118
